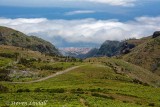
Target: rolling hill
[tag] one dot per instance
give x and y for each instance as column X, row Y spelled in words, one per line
column 12, row 37
column 95, row 84
column 18, row 64
column 143, row 52
column 146, row 54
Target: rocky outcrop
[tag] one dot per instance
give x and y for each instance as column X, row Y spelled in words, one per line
column 126, row 48
column 109, row 48
column 156, row 34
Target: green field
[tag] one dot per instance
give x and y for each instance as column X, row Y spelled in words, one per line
column 92, row 85
column 97, row 82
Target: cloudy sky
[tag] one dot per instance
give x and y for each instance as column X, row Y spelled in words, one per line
column 77, row 22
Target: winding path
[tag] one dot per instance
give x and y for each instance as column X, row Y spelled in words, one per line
column 51, row 76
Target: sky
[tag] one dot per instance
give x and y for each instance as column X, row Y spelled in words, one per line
column 81, row 23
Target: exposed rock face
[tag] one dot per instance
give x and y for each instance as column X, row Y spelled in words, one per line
column 109, row 48
column 126, row 47
column 156, row 34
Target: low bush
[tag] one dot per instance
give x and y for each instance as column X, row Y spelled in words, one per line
column 77, row 91
column 102, row 96
column 8, row 55
column 151, row 104
column 50, row 67
column 4, row 75
column 37, row 90
column 26, row 62
column 23, row 90
column 58, row 90
column 3, row 88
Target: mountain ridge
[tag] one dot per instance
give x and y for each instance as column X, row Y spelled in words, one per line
column 146, row 55
column 13, row 37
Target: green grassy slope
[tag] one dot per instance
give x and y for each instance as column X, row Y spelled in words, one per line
column 146, row 55
column 19, row 64
column 137, row 42
column 138, row 74
column 93, row 85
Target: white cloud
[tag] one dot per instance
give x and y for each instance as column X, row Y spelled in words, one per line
column 85, row 30
column 80, row 12
column 73, row 3
column 115, row 2
column 22, row 21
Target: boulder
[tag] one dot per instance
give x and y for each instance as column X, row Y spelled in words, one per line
column 156, row 34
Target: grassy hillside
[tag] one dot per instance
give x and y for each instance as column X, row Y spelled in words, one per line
column 20, row 64
column 146, row 55
column 92, row 85
column 138, row 74
column 12, row 37
column 100, row 82
column 137, row 42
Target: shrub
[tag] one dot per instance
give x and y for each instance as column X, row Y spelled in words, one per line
column 125, row 101
column 96, row 90
column 137, row 81
column 28, row 39
column 7, row 55
column 37, row 90
column 27, row 90
column 3, row 88
column 19, row 90
column 79, row 89
column 25, row 61
column 4, row 75
column 103, row 96
column 23, row 90
column 151, row 104
column 58, row 90
column 50, row 67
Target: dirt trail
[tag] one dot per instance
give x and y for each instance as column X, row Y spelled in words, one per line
column 51, row 76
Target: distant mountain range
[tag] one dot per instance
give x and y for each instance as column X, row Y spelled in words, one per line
column 109, row 48
column 12, row 37
column 144, row 52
